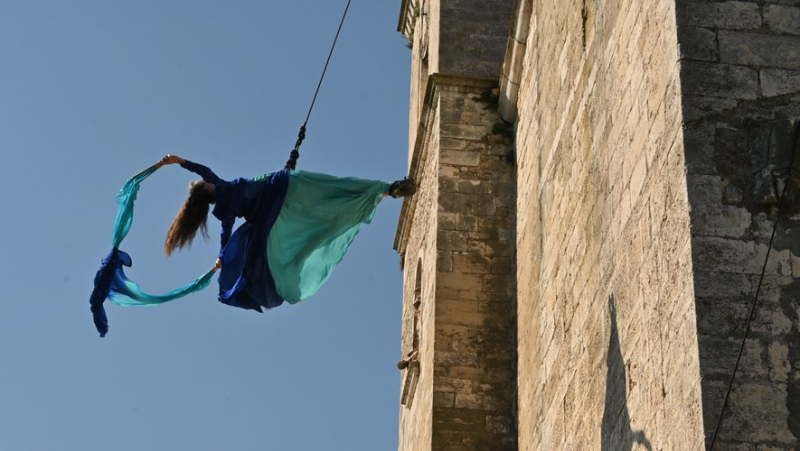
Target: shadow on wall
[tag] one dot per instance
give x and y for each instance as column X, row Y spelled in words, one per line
column 616, row 433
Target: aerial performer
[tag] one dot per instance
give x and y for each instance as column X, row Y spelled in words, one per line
column 297, row 227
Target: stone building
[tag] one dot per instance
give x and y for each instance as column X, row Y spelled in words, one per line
column 607, row 188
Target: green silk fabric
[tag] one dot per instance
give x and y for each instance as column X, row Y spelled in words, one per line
column 320, row 218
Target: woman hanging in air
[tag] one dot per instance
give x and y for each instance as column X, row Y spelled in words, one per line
column 298, row 226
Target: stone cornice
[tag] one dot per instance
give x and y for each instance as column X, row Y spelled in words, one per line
column 436, row 83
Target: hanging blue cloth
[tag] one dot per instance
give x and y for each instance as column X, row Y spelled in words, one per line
column 110, row 281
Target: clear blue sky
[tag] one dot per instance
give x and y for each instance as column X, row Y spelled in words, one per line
column 93, row 91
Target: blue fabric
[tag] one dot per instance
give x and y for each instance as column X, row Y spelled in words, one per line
column 298, row 227
column 102, row 287
column 245, row 279
column 110, row 281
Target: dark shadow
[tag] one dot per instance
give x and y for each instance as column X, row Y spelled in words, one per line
column 616, row 433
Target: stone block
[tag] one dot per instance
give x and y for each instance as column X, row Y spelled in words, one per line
column 505, row 265
column 699, row 149
column 499, row 424
column 719, row 80
column 699, row 44
column 451, row 240
column 709, row 215
column 782, row 19
column 455, row 281
column 441, row 438
column 778, row 82
column 759, row 50
column 699, row 107
column 455, row 185
column 483, row 205
column 459, row 158
column 498, row 248
column 444, row 261
column 476, row 402
column 442, row 399
column 453, row 143
column 728, row 255
column 453, row 385
column 471, row 264
column 451, row 419
column 717, row 355
column 461, row 131
column 757, row 412
column 779, row 365
column 730, row 15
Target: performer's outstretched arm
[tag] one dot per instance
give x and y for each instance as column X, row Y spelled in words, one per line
column 203, row 171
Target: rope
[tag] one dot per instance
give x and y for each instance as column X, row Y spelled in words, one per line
column 758, row 290
column 295, row 154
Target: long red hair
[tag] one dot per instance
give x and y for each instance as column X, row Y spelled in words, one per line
column 192, row 217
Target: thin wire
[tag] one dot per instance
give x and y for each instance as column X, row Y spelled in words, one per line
column 301, row 135
column 325, row 69
column 758, row 290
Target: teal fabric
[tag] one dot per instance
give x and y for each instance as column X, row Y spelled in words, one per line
column 124, row 291
column 320, row 218
column 125, row 199
column 127, row 293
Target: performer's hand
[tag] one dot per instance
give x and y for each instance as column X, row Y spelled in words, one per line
column 217, row 265
column 171, row 159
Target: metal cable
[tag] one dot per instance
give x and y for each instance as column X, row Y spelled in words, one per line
column 295, row 154
column 758, row 290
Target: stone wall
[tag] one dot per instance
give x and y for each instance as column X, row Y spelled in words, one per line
column 474, row 355
column 740, row 74
column 465, row 38
column 456, row 235
column 606, row 314
column 653, row 141
column 472, row 36
column 460, row 229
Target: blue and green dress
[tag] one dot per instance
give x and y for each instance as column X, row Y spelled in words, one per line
column 298, row 227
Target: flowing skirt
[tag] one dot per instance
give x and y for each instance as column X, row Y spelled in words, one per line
column 318, row 219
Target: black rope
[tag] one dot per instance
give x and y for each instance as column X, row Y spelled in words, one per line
column 295, row 154
column 758, row 290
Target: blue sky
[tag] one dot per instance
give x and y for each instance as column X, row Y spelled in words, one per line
column 93, row 91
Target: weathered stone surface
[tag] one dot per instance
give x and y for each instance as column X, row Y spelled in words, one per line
column 699, row 107
column 710, row 216
column 468, row 224
column 777, row 82
column 635, row 209
column 602, row 216
column 759, row 50
column 782, row 19
column 725, row 15
column 770, row 401
column 698, row 44
column 736, row 149
column 472, row 37
column 460, row 158
column 719, row 80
